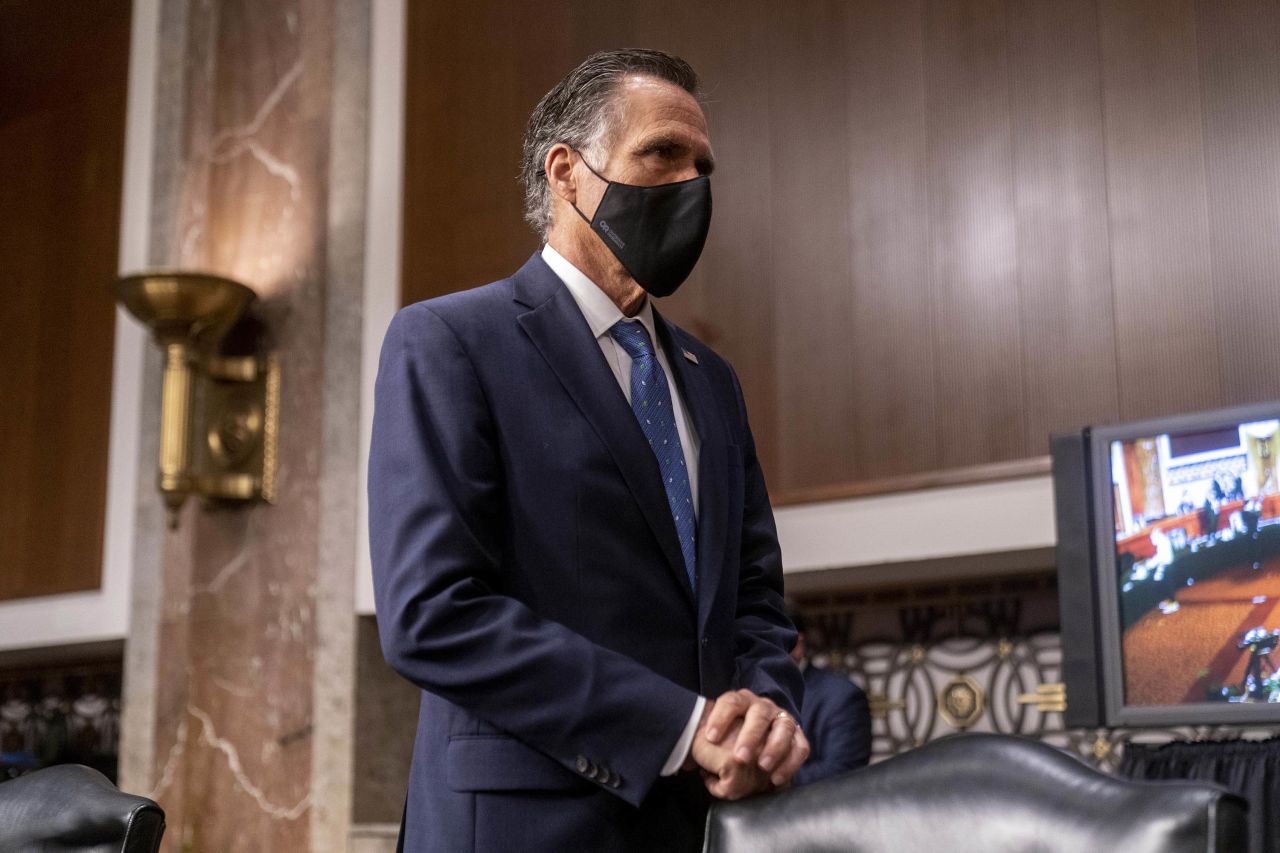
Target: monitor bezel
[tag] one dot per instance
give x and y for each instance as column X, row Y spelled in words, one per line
column 1111, row 649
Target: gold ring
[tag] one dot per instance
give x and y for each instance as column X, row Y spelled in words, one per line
column 782, row 715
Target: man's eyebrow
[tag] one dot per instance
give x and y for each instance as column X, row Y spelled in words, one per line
column 706, row 164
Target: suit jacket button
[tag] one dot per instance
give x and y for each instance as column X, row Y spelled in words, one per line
column 705, row 642
column 615, row 781
column 583, row 765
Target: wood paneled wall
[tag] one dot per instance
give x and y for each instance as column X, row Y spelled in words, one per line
column 63, row 77
column 943, row 228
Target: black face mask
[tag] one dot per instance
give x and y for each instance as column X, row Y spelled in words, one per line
column 657, row 232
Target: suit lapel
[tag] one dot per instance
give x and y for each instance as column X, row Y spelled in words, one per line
column 713, row 508
column 558, row 330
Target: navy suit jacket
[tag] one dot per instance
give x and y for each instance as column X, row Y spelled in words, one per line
column 529, row 580
column 837, row 720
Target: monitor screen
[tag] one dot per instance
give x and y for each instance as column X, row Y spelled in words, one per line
column 1197, row 548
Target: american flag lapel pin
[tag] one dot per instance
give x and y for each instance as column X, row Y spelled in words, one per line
column 690, row 356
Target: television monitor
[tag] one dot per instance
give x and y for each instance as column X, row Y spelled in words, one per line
column 1169, row 569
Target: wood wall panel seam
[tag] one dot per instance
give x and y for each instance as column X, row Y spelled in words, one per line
column 1106, row 177
column 1240, row 95
column 973, row 240
column 1016, row 175
column 888, row 190
column 1063, row 243
column 1167, row 354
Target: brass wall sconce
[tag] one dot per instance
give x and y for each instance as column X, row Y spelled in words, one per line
column 219, row 413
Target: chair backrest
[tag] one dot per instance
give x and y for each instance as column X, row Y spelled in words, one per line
column 75, row 809
column 981, row 793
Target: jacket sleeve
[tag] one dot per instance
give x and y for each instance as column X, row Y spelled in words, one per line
column 763, row 635
column 842, row 740
column 435, row 515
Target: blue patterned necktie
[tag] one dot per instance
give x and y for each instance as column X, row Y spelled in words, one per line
column 651, row 402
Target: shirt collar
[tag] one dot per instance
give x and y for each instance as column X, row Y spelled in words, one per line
column 599, row 310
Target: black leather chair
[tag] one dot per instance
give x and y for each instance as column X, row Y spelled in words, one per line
column 981, row 793
column 75, row 809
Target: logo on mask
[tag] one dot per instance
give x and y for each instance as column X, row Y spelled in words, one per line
column 613, row 235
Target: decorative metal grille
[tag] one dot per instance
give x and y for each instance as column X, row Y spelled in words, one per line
column 966, row 656
column 60, row 715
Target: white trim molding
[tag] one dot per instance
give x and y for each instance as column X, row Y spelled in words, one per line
column 382, row 242
column 910, row 527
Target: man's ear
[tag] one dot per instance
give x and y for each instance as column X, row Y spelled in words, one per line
column 559, row 169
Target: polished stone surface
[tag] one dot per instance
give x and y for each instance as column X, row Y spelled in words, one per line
column 240, row 689
column 332, row 755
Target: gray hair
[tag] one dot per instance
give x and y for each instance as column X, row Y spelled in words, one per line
column 580, row 110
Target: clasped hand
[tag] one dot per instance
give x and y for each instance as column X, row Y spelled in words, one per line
column 746, row 744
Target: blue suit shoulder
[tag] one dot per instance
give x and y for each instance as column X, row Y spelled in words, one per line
column 837, row 718
column 470, row 312
column 828, row 685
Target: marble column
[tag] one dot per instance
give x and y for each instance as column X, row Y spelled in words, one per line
column 240, row 668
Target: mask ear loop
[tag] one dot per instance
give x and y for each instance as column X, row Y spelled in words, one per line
column 543, row 174
column 588, row 165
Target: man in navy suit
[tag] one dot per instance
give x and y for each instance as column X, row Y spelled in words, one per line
column 836, row 716
column 573, row 550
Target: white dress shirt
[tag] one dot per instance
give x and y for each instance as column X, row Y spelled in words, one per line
column 601, row 314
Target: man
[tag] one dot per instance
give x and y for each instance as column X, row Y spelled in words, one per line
column 574, row 555
column 836, row 716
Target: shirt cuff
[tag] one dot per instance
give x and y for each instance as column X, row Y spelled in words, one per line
column 676, row 760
